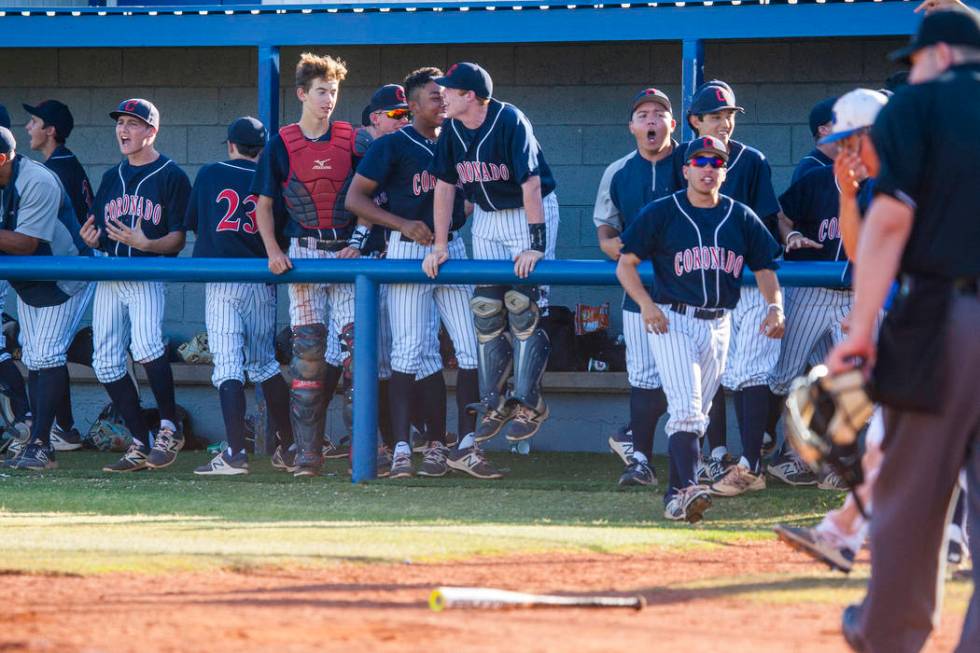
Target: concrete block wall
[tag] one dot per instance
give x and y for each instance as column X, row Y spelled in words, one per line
column 576, row 95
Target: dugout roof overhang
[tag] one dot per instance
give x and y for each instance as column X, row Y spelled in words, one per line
column 398, row 23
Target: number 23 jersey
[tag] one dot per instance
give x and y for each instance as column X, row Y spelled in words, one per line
column 222, row 211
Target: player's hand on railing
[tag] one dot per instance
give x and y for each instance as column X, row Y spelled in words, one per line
column 930, row 6
column 774, row 324
column 90, row 233
column 611, row 247
column 130, row 236
column 525, row 261
column 432, row 261
column 850, row 172
column 796, row 240
column 279, row 262
column 653, row 318
column 418, row 231
column 349, row 252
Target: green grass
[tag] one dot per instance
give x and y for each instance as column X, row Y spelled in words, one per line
column 79, row 520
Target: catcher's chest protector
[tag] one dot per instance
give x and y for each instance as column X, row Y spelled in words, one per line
column 317, row 173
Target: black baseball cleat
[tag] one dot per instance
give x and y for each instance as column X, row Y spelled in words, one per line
column 165, row 447
column 472, row 461
column 492, row 420
column 70, row 440
column 638, row 473
column 35, row 457
column 133, row 460
column 527, row 421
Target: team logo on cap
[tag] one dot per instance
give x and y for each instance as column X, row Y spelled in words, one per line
column 400, row 94
column 130, row 105
column 651, row 91
column 452, row 69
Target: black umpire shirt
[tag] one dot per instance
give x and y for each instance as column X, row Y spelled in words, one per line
column 928, row 140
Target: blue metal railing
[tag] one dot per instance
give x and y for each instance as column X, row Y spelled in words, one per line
column 365, row 274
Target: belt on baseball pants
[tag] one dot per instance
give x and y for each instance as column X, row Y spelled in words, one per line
column 698, row 313
column 322, row 245
column 452, row 235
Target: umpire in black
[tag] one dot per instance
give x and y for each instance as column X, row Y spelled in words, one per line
column 923, row 227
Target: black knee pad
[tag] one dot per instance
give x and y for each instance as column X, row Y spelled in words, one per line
column 522, row 311
column 489, row 316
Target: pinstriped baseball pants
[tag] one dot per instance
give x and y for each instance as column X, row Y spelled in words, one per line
column 241, row 323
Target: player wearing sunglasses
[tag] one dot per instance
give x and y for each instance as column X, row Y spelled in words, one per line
column 699, row 242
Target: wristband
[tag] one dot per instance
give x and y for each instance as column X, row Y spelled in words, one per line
column 539, row 236
column 790, row 235
column 357, row 238
column 774, row 306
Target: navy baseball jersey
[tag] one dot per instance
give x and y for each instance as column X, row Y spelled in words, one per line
column 493, row 160
column 628, row 185
column 273, row 170
column 815, row 159
column 65, row 164
column 155, row 193
column 748, row 180
column 399, row 163
column 221, row 211
column 699, row 254
column 377, row 240
column 812, row 205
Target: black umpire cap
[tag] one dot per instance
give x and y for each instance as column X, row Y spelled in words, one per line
column 138, row 108
column 4, row 117
column 466, row 76
column 952, row 27
column 54, row 114
column 246, row 131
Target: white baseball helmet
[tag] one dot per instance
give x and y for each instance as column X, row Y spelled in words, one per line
column 855, row 111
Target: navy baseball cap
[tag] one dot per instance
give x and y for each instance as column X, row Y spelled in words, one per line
column 713, row 97
column 54, row 114
column 466, row 76
column 366, row 117
column 4, row 117
column 7, row 141
column 387, row 98
column 714, row 82
column 246, row 131
column 138, row 108
column 821, row 113
column 650, row 95
column 708, row 144
column 952, row 27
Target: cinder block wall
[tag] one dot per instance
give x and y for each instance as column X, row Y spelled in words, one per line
column 575, row 95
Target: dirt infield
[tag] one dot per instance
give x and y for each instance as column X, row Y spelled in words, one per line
column 727, row 598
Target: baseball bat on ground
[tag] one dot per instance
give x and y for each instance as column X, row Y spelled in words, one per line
column 443, row 598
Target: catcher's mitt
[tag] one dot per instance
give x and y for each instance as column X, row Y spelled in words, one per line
column 825, row 413
column 195, row 350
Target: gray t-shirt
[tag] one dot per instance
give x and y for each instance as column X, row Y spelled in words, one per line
column 36, row 205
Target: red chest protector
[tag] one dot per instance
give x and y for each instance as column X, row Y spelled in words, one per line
column 314, row 189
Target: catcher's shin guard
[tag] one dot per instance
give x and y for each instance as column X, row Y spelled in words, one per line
column 307, row 396
column 531, row 345
column 494, row 351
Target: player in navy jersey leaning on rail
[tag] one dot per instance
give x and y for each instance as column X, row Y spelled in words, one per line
column 489, row 148
column 699, row 242
column 240, row 317
column 138, row 212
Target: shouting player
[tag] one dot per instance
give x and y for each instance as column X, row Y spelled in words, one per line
column 488, row 147
column 752, row 355
column 36, row 219
column 240, row 317
column 628, row 185
column 398, row 166
column 308, row 166
column 49, row 127
column 699, row 242
column 138, row 212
